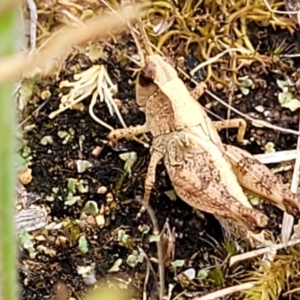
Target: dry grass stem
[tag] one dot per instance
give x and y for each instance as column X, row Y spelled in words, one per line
column 226, row 291
column 276, row 157
column 12, row 67
column 217, row 57
column 262, row 251
column 280, row 12
column 33, row 23
column 160, row 254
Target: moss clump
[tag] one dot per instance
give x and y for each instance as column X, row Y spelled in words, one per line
column 282, row 276
column 212, row 27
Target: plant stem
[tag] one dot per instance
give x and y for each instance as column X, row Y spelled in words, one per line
column 8, row 246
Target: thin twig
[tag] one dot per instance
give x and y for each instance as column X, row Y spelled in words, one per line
column 35, row 112
column 295, row 55
column 227, row 291
column 13, row 66
column 276, row 157
column 33, row 23
column 217, row 57
column 262, row 251
column 280, row 12
column 148, row 268
column 161, row 268
column 292, row 291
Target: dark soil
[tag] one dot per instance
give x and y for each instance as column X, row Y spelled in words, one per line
column 199, row 239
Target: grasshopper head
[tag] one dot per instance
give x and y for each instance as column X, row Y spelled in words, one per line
column 149, row 71
column 153, row 75
column 159, row 69
column 145, row 88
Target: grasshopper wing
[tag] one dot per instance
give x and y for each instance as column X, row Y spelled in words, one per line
column 197, row 182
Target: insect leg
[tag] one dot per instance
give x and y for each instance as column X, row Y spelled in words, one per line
column 131, row 131
column 150, row 178
column 233, row 123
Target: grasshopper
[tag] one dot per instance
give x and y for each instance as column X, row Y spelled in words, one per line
column 205, row 173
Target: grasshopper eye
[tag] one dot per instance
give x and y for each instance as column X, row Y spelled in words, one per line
column 149, row 70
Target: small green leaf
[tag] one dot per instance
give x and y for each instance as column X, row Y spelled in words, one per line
column 91, row 208
column 154, row 238
column 245, row 91
column 122, row 236
column 178, row 263
column 144, row 228
column 130, row 158
column 231, row 246
column 283, row 84
column 71, row 185
column 83, row 244
column 292, row 105
column 171, row 195
column 82, row 188
column 116, row 266
column 133, row 259
column 24, row 237
column 55, row 190
column 253, row 199
column 284, row 97
column 62, row 134
column 47, row 139
column 71, row 200
column 83, row 165
column 246, row 83
column 26, row 151
column 49, row 198
column 270, row 147
column 124, row 239
column 287, row 100
column 66, row 136
column 71, row 132
column 202, row 274
column 25, row 93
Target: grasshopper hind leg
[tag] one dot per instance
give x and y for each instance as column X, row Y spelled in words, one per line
column 259, row 180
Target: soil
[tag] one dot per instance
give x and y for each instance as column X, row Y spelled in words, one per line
column 199, row 242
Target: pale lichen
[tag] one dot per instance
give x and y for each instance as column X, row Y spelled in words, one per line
column 93, row 82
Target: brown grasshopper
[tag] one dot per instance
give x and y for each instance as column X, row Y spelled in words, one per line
column 206, row 174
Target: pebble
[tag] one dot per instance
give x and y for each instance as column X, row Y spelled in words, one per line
column 102, row 190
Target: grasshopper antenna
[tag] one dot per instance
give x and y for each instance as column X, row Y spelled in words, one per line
column 142, row 41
